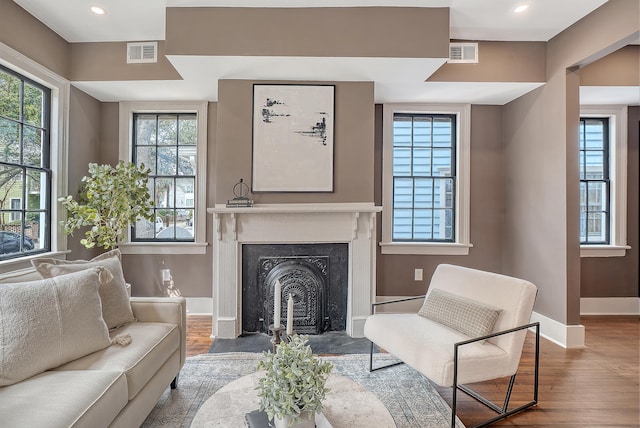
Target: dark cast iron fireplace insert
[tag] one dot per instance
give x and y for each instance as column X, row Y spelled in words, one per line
column 315, row 275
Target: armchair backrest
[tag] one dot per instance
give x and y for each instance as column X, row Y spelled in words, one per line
column 514, row 296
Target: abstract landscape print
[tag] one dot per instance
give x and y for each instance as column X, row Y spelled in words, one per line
column 293, row 138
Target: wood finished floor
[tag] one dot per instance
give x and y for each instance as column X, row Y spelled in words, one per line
column 597, row 386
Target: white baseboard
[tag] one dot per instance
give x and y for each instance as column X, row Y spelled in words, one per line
column 226, row 328
column 199, row 306
column 567, row 336
column 357, row 326
column 610, row 306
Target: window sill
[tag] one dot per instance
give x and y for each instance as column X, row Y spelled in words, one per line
column 421, row 248
column 603, row 250
column 24, row 263
column 163, row 247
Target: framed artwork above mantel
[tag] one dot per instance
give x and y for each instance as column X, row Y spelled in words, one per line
column 293, row 138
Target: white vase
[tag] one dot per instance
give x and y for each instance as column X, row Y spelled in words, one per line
column 302, row 422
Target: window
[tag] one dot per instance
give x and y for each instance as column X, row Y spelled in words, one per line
column 594, row 181
column 425, row 179
column 25, row 175
column 170, row 140
column 166, row 143
column 423, row 176
column 603, row 178
column 16, row 206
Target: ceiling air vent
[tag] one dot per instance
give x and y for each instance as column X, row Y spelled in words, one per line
column 463, row 52
column 142, row 52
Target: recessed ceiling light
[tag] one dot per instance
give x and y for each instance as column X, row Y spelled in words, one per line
column 521, row 8
column 98, row 10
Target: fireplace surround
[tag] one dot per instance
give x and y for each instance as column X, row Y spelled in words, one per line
column 352, row 224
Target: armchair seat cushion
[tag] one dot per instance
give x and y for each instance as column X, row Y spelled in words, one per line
column 427, row 346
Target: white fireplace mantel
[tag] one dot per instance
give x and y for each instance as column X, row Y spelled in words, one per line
column 351, row 223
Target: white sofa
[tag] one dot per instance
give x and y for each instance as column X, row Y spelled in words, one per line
column 116, row 386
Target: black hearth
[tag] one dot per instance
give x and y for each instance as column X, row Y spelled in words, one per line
column 316, row 276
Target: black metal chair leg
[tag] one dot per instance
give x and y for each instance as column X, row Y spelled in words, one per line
column 502, row 411
column 371, row 369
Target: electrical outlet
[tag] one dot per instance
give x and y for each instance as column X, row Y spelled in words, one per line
column 166, row 275
column 417, row 275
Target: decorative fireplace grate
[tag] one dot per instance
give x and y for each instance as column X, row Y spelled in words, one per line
column 304, row 278
column 315, row 274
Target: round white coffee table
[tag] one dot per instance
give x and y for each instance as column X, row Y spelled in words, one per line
column 347, row 405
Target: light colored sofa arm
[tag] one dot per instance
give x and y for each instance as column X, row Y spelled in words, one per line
column 171, row 310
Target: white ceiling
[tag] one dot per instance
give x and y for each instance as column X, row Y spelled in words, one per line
column 396, row 80
column 470, row 19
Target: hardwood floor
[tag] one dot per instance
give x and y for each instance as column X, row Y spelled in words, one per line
column 198, row 334
column 597, row 386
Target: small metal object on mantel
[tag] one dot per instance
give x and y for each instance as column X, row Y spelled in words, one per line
column 279, row 336
column 241, row 193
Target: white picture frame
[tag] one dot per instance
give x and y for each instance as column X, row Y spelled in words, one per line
column 293, row 138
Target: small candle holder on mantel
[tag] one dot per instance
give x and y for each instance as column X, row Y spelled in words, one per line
column 279, row 336
column 277, row 333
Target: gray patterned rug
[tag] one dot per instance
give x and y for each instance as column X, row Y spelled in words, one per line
column 410, row 398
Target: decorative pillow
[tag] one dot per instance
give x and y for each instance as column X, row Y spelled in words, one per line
column 116, row 308
column 20, row 276
column 467, row 316
column 49, row 322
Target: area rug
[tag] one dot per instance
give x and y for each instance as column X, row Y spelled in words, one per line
column 331, row 342
column 410, row 398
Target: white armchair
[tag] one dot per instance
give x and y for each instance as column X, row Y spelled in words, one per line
column 471, row 328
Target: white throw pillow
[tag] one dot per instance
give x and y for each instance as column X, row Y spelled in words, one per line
column 49, row 322
column 116, row 307
column 465, row 315
column 20, row 276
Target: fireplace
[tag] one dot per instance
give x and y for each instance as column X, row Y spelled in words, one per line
column 350, row 225
column 314, row 274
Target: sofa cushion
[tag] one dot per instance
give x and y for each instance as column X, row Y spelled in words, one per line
column 152, row 344
column 49, row 322
column 467, row 316
column 64, row 399
column 116, row 309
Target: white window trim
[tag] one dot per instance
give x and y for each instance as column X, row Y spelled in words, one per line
column 127, row 109
column 618, row 175
column 463, row 159
column 59, row 136
column 11, row 206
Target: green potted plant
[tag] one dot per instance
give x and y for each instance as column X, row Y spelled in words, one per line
column 110, row 199
column 292, row 386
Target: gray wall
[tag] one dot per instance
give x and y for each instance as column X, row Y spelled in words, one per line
column 542, row 199
column 24, row 33
column 85, row 124
column 395, row 274
column 353, row 148
column 521, row 162
column 618, row 276
column 192, row 274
